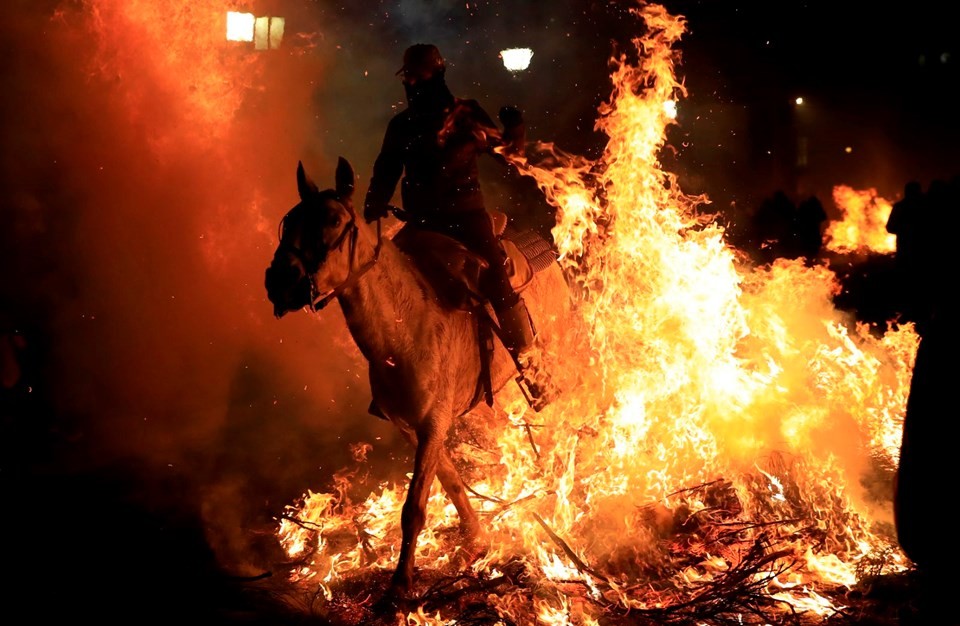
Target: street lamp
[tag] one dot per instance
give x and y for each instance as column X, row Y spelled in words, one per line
column 516, row 59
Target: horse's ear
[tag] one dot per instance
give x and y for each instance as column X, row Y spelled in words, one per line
column 305, row 186
column 345, row 179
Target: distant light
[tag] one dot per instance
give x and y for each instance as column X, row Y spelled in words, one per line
column 670, row 108
column 848, row 149
column 265, row 32
column 799, row 101
column 240, row 26
column 516, row 59
column 268, row 33
column 945, row 58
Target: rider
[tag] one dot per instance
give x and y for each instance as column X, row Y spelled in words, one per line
column 435, row 143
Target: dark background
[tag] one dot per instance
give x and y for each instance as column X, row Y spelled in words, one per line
column 156, row 418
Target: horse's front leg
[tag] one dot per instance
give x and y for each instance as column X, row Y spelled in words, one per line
column 414, row 513
column 455, row 489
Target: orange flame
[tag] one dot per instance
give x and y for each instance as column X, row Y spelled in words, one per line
column 708, row 386
column 863, row 227
column 205, row 87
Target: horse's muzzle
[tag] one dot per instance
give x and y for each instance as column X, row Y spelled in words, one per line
column 287, row 289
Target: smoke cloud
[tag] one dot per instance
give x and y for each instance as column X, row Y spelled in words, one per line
column 149, row 162
column 146, row 164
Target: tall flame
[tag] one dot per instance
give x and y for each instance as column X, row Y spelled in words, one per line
column 713, row 395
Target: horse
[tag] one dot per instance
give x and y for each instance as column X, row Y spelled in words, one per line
column 424, row 357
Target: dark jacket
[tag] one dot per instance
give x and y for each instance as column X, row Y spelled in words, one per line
column 435, row 147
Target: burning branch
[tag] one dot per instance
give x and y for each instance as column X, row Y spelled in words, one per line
column 583, row 567
column 697, row 366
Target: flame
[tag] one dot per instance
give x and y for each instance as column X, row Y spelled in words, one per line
column 863, row 227
column 186, row 69
column 722, row 414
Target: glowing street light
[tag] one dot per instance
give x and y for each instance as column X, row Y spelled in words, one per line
column 264, row 32
column 240, row 26
column 799, row 101
column 516, row 59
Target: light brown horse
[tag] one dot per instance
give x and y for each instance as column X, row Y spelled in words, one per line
column 424, row 356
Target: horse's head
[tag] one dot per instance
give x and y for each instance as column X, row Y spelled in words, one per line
column 317, row 244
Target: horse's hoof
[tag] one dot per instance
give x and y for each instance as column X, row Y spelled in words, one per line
column 470, row 532
column 394, row 600
column 399, row 592
column 467, row 553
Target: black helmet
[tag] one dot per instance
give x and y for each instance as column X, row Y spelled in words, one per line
column 421, row 61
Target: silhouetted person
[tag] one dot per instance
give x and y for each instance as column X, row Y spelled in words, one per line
column 810, row 218
column 929, row 277
column 774, row 225
column 907, row 223
column 434, row 144
column 904, row 222
column 928, row 472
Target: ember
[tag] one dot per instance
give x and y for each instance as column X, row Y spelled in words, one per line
column 705, row 462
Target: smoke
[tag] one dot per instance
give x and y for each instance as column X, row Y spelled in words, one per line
column 149, row 162
column 146, row 164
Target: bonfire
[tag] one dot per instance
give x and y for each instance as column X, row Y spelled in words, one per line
column 723, row 449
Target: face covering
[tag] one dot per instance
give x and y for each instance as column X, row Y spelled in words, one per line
column 428, row 95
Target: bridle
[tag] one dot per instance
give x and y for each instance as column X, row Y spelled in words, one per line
column 350, row 232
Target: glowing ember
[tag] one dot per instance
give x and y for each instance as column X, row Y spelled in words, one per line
column 719, row 425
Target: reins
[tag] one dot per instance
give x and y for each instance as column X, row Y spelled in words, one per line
column 317, row 302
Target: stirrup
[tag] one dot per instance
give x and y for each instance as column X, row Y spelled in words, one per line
column 538, row 389
column 536, row 395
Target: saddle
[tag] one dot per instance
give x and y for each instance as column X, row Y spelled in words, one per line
column 454, row 272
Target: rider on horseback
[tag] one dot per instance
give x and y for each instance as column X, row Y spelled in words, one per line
column 434, row 144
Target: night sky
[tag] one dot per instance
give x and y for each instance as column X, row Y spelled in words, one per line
column 877, row 82
column 159, row 411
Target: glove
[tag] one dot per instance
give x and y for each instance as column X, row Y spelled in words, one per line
column 513, row 129
column 510, row 116
column 374, row 212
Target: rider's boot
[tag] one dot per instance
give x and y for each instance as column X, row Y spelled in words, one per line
column 519, row 337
